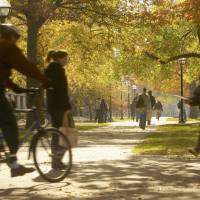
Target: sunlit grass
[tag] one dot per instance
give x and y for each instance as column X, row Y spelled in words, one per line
column 169, row 140
column 176, row 120
column 89, row 125
column 121, row 120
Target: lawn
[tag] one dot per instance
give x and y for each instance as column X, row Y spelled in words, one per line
column 80, row 126
column 169, row 140
column 121, row 120
column 89, row 125
column 189, row 120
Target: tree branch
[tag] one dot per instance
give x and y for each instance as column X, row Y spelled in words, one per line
column 173, row 58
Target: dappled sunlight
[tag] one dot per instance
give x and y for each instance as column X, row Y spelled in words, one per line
column 105, row 168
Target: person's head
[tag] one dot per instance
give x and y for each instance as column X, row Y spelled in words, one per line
column 150, row 93
column 144, row 90
column 60, row 57
column 9, row 32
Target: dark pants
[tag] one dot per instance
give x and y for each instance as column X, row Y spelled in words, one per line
column 143, row 116
column 57, row 119
column 8, row 125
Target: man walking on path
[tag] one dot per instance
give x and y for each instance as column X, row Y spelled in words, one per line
column 150, row 109
column 144, row 103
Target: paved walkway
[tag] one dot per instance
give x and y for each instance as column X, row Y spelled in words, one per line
column 105, row 168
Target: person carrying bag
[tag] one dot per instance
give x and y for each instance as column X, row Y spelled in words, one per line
column 58, row 100
column 69, row 131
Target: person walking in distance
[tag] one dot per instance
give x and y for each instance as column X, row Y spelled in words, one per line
column 143, row 104
column 159, row 109
column 103, row 112
column 150, row 109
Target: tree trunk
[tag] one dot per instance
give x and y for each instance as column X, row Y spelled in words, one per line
column 194, row 110
column 32, row 56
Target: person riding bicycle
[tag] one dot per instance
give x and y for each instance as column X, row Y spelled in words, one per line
column 11, row 57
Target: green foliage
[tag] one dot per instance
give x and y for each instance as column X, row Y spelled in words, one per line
column 91, row 30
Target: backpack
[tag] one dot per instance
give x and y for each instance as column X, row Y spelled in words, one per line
column 140, row 102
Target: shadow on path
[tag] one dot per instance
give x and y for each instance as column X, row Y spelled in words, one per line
column 111, row 177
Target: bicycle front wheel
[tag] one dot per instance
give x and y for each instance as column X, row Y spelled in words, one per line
column 52, row 155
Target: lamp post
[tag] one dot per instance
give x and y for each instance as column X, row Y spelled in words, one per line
column 129, row 84
column 5, row 9
column 182, row 63
column 122, row 112
column 110, row 107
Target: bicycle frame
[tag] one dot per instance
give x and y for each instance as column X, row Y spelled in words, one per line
column 35, row 126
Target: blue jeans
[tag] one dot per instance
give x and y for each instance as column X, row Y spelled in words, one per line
column 143, row 116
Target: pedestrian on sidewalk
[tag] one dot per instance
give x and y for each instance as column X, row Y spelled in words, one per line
column 103, row 112
column 58, row 101
column 150, row 109
column 159, row 109
column 143, row 104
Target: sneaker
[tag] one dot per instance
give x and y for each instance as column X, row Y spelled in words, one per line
column 58, row 165
column 194, row 152
column 21, row 170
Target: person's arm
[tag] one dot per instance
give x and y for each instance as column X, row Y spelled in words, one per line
column 15, row 59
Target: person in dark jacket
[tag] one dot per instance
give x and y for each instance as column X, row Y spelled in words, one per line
column 159, row 109
column 11, row 57
column 58, row 101
column 103, row 112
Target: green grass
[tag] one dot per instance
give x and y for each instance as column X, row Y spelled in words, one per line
column 89, row 125
column 121, row 120
column 169, row 140
column 176, row 120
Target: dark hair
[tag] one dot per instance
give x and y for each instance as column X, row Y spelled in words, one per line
column 144, row 89
column 150, row 92
column 55, row 55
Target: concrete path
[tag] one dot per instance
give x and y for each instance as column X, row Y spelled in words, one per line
column 105, row 168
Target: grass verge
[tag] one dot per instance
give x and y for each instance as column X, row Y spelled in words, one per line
column 169, row 140
column 176, row 120
column 89, row 125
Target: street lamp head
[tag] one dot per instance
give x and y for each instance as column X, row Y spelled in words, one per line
column 182, row 61
column 5, row 9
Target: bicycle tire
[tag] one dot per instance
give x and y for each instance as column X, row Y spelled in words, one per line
column 38, row 137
